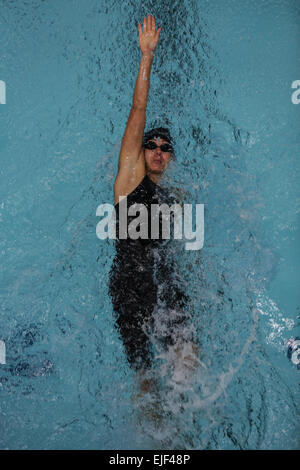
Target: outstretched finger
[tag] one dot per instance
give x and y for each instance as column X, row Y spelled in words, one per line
column 145, row 25
column 149, row 22
column 158, row 33
column 153, row 23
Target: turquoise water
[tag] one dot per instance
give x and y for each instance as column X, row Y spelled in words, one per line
column 221, row 81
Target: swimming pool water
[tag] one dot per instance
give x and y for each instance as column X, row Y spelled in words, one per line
column 221, row 81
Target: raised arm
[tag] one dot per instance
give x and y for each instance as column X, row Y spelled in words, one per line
column 131, row 168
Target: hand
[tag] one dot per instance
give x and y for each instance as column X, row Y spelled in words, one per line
column 186, row 362
column 148, row 38
column 187, row 355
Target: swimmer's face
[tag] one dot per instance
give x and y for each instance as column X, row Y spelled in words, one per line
column 156, row 160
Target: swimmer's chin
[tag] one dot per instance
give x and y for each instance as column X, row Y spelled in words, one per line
column 156, row 172
column 156, row 169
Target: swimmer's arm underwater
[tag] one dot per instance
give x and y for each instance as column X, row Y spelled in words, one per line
column 131, row 167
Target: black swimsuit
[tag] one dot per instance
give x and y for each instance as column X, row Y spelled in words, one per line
column 141, row 278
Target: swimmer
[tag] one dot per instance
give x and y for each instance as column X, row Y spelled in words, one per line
column 134, row 290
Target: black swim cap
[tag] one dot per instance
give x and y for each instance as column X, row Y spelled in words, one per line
column 161, row 132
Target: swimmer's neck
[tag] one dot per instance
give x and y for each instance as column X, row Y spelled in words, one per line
column 156, row 178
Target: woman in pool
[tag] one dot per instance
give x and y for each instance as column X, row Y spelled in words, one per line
column 142, row 277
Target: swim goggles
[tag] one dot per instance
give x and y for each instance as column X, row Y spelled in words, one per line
column 164, row 147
